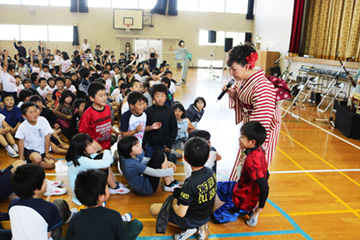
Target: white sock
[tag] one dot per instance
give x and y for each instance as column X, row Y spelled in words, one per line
column 15, row 147
column 9, row 149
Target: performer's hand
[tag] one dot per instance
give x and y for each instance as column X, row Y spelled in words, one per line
column 230, row 91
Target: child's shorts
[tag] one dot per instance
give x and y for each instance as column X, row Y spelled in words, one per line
column 28, row 152
column 228, row 212
column 185, row 222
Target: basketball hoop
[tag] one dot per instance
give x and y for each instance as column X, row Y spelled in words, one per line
column 127, row 28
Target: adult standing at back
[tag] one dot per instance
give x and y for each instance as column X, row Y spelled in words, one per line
column 20, row 48
column 253, row 99
column 85, row 45
column 181, row 54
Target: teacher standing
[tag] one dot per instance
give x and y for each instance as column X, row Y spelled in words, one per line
column 253, row 99
column 182, row 53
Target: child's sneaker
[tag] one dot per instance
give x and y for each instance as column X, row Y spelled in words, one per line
column 203, row 232
column 185, row 234
column 119, row 189
column 126, row 217
column 55, row 191
column 178, row 155
column 253, row 220
column 54, row 183
column 15, row 147
column 11, row 152
column 73, row 211
column 172, row 186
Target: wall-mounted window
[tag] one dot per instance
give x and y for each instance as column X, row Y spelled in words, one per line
column 212, row 6
column 60, row 3
column 126, row 4
column 188, row 5
column 36, row 32
column 236, row 6
column 9, row 32
column 147, row 4
column 99, row 4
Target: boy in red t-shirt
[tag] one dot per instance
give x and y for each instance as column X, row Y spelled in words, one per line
column 96, row 120
column 249, row 194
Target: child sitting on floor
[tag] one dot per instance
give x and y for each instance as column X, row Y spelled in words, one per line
column 82, row 156
column 65, row 108
column 249, row 194
column 196, row 111
column 143, row 175
column 191, row 210
column 96, row 221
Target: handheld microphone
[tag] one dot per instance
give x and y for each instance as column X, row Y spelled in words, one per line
column 230, row 83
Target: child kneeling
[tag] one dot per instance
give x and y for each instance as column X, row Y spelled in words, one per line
column 191, row 210
column 96, row 221
column 252, row 188
column 143, row 176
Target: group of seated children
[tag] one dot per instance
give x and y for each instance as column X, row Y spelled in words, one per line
column 153, row 127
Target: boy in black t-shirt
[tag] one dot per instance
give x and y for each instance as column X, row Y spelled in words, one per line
column 96, row 221
column 192, row 209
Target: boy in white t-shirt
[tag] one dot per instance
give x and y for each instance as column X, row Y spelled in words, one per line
column 34, row 137
column 7, row 77
column 42, row 88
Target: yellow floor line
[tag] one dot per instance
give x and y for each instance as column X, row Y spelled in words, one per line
column 323, row 160
column 279, row 214
column 322, row 185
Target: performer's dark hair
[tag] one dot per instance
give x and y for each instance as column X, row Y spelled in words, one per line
column 239, row 53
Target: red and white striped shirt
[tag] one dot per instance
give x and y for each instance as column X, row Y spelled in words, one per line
column 255, row 101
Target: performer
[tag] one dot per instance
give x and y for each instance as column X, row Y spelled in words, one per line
column 253, row 99
column 355, row 95
column 181, row 54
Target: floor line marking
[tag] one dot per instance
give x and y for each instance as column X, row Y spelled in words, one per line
column 322, row 185
column 320, row 158
column 328, row 132
column 290, row 220
column 315, row 171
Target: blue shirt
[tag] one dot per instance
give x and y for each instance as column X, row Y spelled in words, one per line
column 133, row 171
column 12, row 117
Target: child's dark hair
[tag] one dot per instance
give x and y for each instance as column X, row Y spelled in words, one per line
column 94, row 88
column 22, row 61
column 42, row 79
column 254, row 131
column 199, row 99
column 26, row 179
column 124, row 86
column 127, row 70
column 33, row 77
column 60, row 79
column 116, row 66
column 51, row 70
column 45, row 66
column 102, row 81
column 84, row 72
column 196, row 151
column 24, row 94
column 152, row 55
column 133, row 83
column 26, row 106
column 36, row 61
column 166, row 80
column 78, row 102
column 65, row 55
column 201, row 134
column 125, row 146
column 177, row 105
column 146, row 85
column 89, row 185
column 10, row 67
column 108, row 64
column 134, row 97
column 26, row 80
column 35, row 98
column 239, row 53
column 77, row 147
column 106, row 72
column 67, row 93
column 158, row 88
column 168, row 72
column 5, row 95
column 156, row 71
column 139, row 69
column 49, row 79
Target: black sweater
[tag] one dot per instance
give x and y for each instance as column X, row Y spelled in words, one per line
column 165, row 136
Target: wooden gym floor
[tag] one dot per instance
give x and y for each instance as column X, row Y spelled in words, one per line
column 314, row 176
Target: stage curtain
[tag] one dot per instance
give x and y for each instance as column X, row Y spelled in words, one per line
column 333, row 26
column 75, row 36
column 160, row 7
column 298, row 15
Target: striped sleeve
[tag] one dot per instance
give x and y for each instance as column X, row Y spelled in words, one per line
column 263, row 101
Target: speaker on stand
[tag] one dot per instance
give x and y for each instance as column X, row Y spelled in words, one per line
column 212, row 40
column 228, row 44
